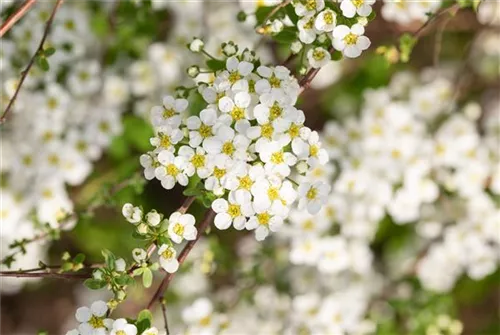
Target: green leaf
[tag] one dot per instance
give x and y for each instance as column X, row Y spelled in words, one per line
column 406, row 44
column 145, row 314
column 67, row 266
column 124, row 279
column 109, row 259
column 49, row 51
column 262, row 13
column 147, row 278
column 78, row 259
column 94, row 284
column 286, row 36
column 43, row 63
column 138, row 271
column 372, row 16
column 216, row 64
column 290, row 11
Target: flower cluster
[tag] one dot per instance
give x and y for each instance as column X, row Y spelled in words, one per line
column 179, row 227
column 60, row 124
column 324, row 26
column 242, row 146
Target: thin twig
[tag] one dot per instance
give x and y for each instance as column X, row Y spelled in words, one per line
column 22, row 274
column 20, row 12
column 163, row 304
column 209, row 216
column 24, row 74
column 452, row 9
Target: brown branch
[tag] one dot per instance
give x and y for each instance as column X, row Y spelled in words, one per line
column 163, row 304
column 20, row 12
column 207, row 220
column 22, row 274
column 24, row 74
column 452, row 10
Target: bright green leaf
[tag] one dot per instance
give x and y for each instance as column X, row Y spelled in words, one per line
column 147, row 278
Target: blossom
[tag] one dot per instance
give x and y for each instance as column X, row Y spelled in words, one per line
column 350, row 40
column 168, row 260
column 234, row 211
column 131, row 213
column 352, row 7
column 171, row 170
column 122, row 327
column 313, row 196
column 318, row 57
column 93, row 320
column 326, row 20
column 181, row 226
column 170, row 114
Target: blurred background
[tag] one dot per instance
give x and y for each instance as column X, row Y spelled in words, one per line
column 124, row 56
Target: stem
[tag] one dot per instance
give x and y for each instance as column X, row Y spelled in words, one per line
column 20, row 12
column 22, row 274
column 209, row 216
column 453, row 9
column 24, row 74
column 164, row 312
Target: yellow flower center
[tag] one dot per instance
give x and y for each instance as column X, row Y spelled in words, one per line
column 104, row 126
column 312, row 193
column 198, row 161
column 264, row 218
column 168, row 113
column 308, row 225
column 351, row 39
column 313, row 150
column 358, row 3
column 267, row 130
column 237, row 113
column 246, row 183
column 81, row 146
column 318, row 54
column 52, row 103
column 294, row 130
column 329, row 18
column 172, row 170
column 168, row 253
column 234, row 77
column 274, row 82
column 310, row 4
column 273, row 193
column 205, row 131
column 219, row 173
column 251, row 86
column 277, row 157
column 205, row 321
column 27, row 160
column 234, row 211
column 309, row 24
column 53, row 159
column 275, row 111
column 228, row 148
column 121, row 332
column 96, row 322
column 165, row 141
column 178, row 229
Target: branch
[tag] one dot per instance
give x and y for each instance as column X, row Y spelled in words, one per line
column 24, row 74
column 164, row 312
column 20, row 12
column 209, row 216
column 23, row 274
column 452, row 9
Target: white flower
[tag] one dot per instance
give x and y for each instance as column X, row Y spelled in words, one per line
column 170, row 114
column 139, row 255
column 166, row 138
column 308, row 147
column 313, row 196
column 196, row 45
column 197, row 162
column 168, row 260
column 276, row 159
column 361, row 7
column 318, row 57
column 236, row 70
column 326, row 20
column 149, row 163
column 350, row 40
column 122, row 327
column 201, row 127
column 237, row 107
column 131, row 213
column 181, row 226
column 273, row 194
column 227, row 144
column 335, row 255
column 217, row 181
column 307, row 30
column 153, row 218
column 263, row 222
column 93, row 320
column 308, row 7
column 234, row 211
column 172, row 170
column 120, row 265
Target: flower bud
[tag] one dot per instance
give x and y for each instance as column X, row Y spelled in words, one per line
column 196, row 45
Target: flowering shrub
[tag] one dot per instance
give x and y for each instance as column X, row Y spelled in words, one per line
column 369, row 226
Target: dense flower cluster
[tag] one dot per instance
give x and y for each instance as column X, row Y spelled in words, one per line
column 243, row 146
column 407, row 11
column 59, row 125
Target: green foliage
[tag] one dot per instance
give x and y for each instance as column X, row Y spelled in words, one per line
column 406, row 44
column 262, row 13
column 144, row 321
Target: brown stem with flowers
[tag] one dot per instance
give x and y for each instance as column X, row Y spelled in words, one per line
column 24, row 74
